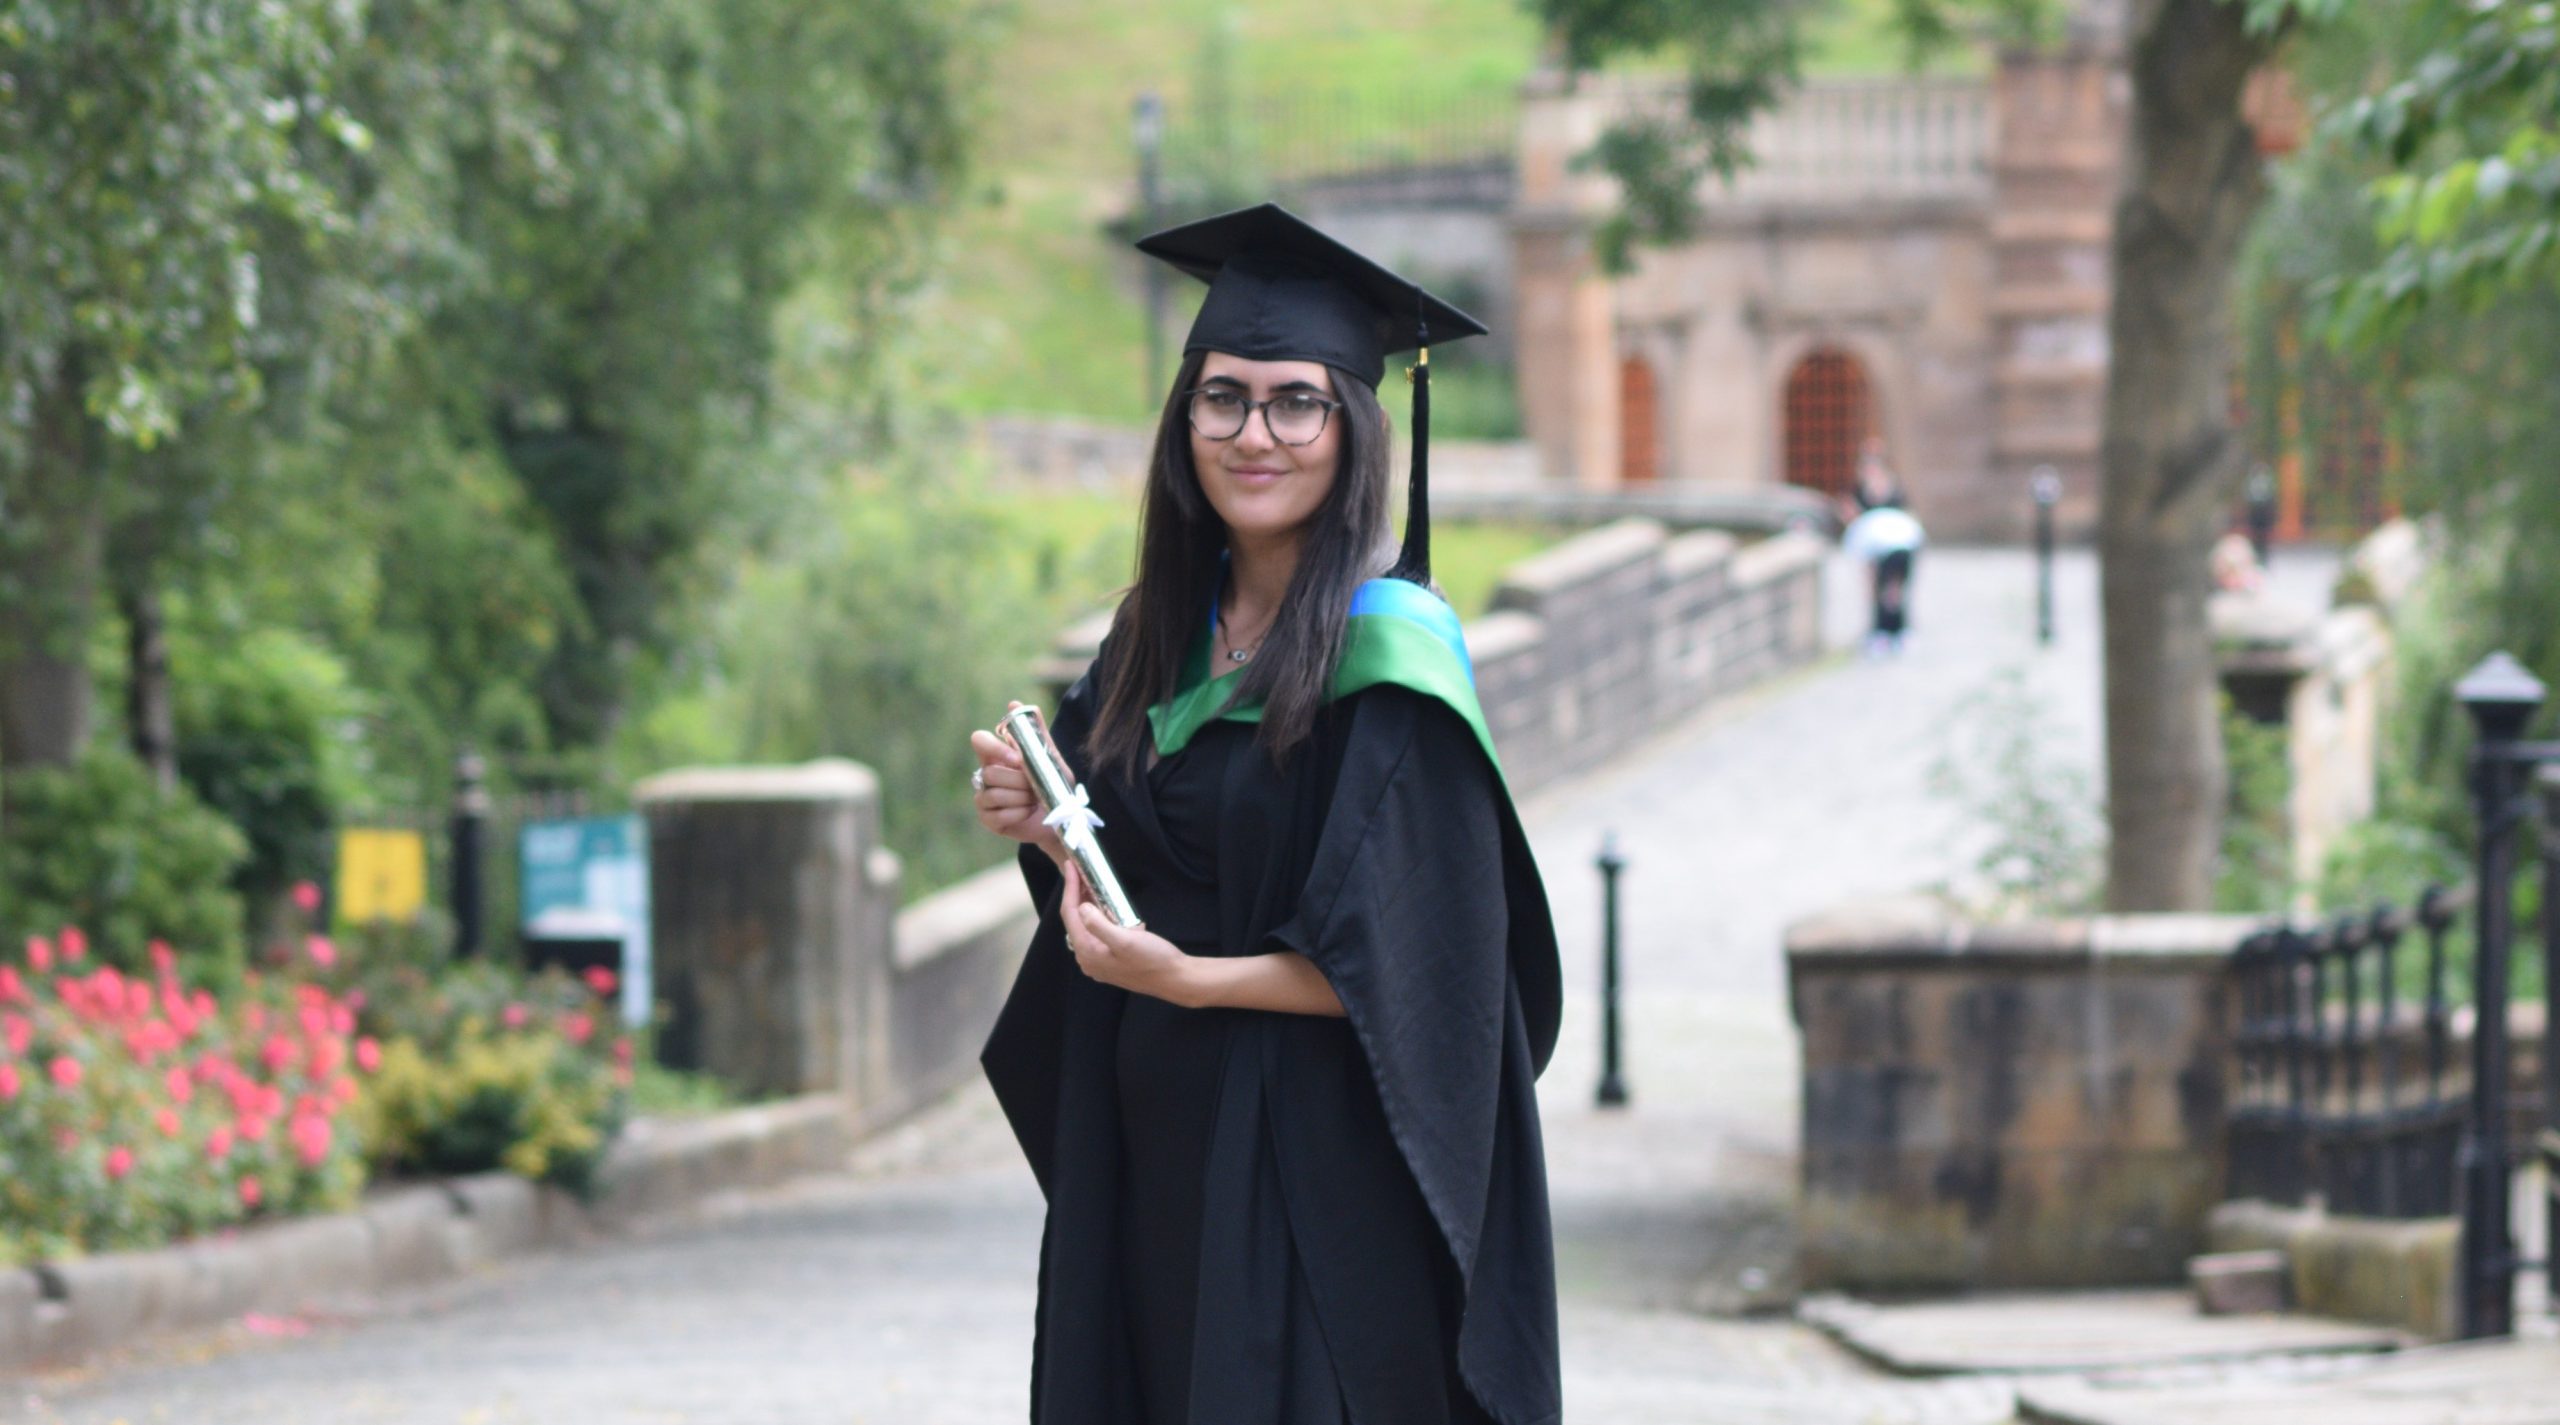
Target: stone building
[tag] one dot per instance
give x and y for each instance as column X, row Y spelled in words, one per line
column 1922, row 259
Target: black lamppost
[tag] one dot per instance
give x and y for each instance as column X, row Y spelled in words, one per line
column 2046, row 487
column 2501, row 698
column 469, row 828
column 1613, row 1087
column 1148, row 126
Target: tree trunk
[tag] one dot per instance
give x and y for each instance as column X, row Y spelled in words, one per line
column 2170, row 464
column 52, row 542
column 151, row 724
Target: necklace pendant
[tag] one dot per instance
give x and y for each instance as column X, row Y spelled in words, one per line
column 1238, row 655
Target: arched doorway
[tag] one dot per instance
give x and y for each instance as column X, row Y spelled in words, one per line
column 1639, row 423
column 1829, row 413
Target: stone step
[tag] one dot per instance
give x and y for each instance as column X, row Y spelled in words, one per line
column 2076, row 1332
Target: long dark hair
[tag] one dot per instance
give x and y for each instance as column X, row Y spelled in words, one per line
column 1179, row 540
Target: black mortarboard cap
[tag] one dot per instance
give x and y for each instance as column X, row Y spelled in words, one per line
column 1280, row 289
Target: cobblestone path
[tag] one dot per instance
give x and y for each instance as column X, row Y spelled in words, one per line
column 899, row 1292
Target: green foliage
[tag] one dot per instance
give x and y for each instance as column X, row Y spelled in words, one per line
column 98, row 845
column 904, row 615
column 526, row 1102
column 2046, row 849
column 261, row 722
column 2257, row 843
column 2468, row 209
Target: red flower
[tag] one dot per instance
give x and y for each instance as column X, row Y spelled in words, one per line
column 342, row 1020
column 18, row 1032
column 163, row 959
column 8, row 1082
column 137, row 998
column 306, row 897
column 12, row 989
column 368, row 1054
column 170, row 1124
column 279, row 1054
column 217, row 1144
column 600, row 979
column 181, row 1087
column 66, row 1071
column 119, row 1162
column 252, row 1128
column 250, row 1192
column 75, row 946
column 580, row 1027
column 622, row 1050
column 311, row 1136
column 514, row 1016
column 39, row 954
column 322, row 951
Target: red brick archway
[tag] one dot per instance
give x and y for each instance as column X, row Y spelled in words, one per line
column 1639, row 423
column 1829, row 413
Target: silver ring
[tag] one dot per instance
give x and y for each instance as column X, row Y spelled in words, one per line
column 978, row 780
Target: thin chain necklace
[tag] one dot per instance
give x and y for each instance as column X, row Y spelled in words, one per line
column 1235, row 654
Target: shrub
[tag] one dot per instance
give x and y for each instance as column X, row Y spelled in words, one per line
column 98, row 844
column 483, row 1066
column 260, row 740
column 2046, row 852
column 135, row 1109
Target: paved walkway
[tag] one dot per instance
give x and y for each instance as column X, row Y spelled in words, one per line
column 901, row 1291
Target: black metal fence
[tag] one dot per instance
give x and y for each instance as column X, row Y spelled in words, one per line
column 2349, row 1087
column 2387, row 1102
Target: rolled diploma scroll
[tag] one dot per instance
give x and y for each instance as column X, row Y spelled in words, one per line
column 1073, row 820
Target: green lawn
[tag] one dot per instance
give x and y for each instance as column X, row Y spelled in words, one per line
column 1040, row 310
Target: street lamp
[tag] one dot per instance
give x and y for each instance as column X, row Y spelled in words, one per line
column 2501, row 697
column 2046, row 487
column 1612, row 1092
column 1147, row 127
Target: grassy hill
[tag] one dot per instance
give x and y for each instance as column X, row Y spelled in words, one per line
column 1038, row 310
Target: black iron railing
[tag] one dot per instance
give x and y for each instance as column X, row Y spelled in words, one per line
column 2386, row 1087
column 2349, row 1088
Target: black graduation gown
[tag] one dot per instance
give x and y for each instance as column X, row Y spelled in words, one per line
column 1372, row 1237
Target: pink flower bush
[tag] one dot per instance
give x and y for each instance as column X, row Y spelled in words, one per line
column 135, row 1109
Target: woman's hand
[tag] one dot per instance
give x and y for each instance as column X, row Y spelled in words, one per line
column 1006, row 803
column 1138, row 961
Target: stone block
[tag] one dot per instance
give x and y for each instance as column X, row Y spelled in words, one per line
column 2240, row 1283
column 2390, row 1273
column 418, row 1236
column 499, row 1215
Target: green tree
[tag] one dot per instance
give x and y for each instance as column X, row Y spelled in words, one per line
column 151, row 155
column 2170, row 468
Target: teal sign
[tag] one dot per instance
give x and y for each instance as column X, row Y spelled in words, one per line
column 588, row 879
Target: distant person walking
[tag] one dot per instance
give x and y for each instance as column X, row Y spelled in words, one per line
column 1888, row 538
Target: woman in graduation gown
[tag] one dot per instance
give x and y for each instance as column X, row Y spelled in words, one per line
column 1287, row 1128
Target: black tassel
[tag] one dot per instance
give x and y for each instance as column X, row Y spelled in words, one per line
column 1413, row 561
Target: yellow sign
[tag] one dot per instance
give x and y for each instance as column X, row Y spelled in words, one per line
column 382, row 875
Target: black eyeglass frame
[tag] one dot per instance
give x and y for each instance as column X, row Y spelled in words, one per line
column 1191, row 412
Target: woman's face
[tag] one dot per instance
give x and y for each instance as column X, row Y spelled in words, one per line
column 1260, row 486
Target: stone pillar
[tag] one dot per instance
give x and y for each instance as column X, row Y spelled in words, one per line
column 773, row 906
column 2060, row 121
column 1566, row 346
column 2009, row 1106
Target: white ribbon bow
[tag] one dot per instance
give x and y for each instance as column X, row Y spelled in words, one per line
column 1073, row 820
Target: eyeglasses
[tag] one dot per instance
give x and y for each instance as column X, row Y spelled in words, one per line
column 1294, row 417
